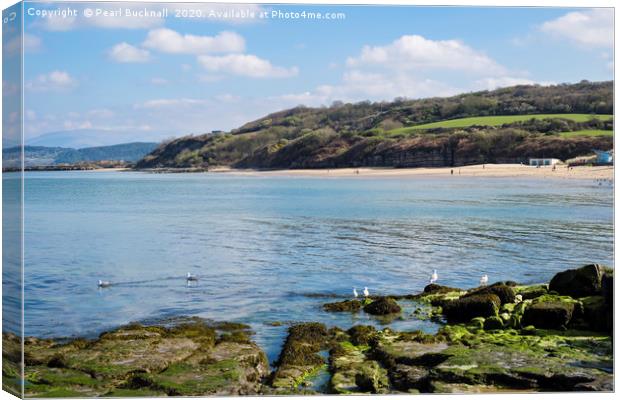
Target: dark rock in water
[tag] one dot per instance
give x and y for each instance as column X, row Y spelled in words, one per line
column 347, row 305
column 372, row 378
column 362, row 334
column 407, row 377
column 607, row 288
column 600, row 384
column 510, row 283
column 466, row 308
column 585, row 281
column 383, row 306
column 529, row 330
column 299, row 355
column 597, row 314
column 505, row 293
column 549, row 315
column 533, row 292
column 492, row 323
column 434, row 288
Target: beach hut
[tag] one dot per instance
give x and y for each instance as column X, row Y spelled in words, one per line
column 604, row 157
column 543, row 162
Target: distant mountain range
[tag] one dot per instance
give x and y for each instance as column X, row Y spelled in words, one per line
column 82, row 138
column 47, row 156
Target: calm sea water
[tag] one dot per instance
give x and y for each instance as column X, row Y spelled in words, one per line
column 266, row 249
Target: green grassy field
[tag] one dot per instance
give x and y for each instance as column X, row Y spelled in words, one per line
column 587, row 133
column 497, row 120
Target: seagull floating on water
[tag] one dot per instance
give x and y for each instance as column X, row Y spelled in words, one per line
column 102, row 284
column 434, row 276
column 366, row 292
column 191, row 278
column 484, row 280
column 355, row 293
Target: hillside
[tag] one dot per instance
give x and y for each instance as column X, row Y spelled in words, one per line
column 507, row 125
column 48, row 156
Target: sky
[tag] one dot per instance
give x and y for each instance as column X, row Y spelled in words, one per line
column 150, row 78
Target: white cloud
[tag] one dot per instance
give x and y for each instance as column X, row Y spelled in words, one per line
column 586, row 28
column 168, row 41
column 30, row 44
column 359, row 85
column 55, row 80
column 413, row 67
column 126, row 53
column 70, row 124
column 9, row 88
column 159, row 81
column 227, row 98
column 415, row 52
column 163, row 103
column 100, row 113
column 245, row 65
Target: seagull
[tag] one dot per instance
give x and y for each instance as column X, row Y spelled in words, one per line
column 366, row 292
column 191, row 278
column 518, row 298
column 355, row 293
column 484, row 280
column 434, row 276
column 103, row 284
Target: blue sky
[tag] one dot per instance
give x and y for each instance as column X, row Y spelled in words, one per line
column 152, row 78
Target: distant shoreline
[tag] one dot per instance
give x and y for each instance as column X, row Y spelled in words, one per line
column 480, row 170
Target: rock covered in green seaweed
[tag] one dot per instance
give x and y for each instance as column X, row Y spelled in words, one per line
column 505, row 293
column 383, row 306
column 195, row 357
column 342, row 306
column 465, row 308
column 580, row 282
column 300, row 357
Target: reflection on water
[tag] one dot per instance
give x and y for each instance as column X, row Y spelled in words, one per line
column 263, row 248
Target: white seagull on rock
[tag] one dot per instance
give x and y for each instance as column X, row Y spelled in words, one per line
column 484, row 280
column 366, row 292
column 355, row 293
column 434, row 276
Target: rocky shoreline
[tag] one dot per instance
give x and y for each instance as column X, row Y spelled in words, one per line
column 501, row 337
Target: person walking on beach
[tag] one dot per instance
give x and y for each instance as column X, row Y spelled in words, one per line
column 451, row 172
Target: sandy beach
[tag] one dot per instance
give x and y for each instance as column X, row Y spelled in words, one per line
column 487, row 170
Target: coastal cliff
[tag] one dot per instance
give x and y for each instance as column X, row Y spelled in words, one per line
column 504, row 125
